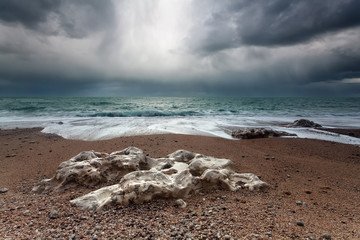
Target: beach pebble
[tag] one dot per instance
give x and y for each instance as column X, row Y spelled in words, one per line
column 268, row 234
column 299, row 223
column 180, row 203
column 300, row 203
column 10, row 155
column 26, row 212
column 4, row 190
column 53, row 214
column 326, row 236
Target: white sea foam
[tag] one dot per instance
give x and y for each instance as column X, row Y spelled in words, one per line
column 100, row 128
column 107, row 128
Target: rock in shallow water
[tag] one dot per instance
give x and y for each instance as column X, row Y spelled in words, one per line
column 304, row 123
column 141, row 178
column 251, row 133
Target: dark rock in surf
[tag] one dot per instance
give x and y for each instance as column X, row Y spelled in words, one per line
column 251, row 133
column 304, row 123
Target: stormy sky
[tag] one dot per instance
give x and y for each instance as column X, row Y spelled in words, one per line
column 179, row 48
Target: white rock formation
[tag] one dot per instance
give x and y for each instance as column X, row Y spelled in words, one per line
column 141, row 179
column 91, row 168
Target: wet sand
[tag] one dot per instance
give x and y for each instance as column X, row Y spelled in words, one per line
column 313, row 183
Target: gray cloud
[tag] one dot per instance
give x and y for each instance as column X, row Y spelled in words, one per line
column 269, row 23
column 75, row 19
column 29, row 13
column 202, row 47
column 289, row 22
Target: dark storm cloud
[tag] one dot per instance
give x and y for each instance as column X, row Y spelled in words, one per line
column 284, row 22
column 270, row 23
column 75, row 19
column 208, row 47
column 28, row 13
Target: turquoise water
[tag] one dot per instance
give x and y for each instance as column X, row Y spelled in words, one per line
column 153, row 107
column 103, row 118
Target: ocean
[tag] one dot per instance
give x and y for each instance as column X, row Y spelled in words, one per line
column 96, row 118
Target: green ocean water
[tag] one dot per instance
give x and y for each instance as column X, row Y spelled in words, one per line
column 91, row 118
column 157, row 106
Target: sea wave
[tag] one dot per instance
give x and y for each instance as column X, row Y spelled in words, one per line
column 142, row 114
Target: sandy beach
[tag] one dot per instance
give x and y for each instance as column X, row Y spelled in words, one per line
column 314, row 191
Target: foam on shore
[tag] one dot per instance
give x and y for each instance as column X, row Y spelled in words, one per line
column 101, row 128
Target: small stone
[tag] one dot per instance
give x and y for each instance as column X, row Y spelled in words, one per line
column 227, row 237
column 326, row 236
column 4, row 190
column 308, row 192
column 180, row 203
column 10, row 155
column 299, row 223
column 255, row 236
column 53, row 214
column 268, row 234
column 26, row 212
column 299, row 202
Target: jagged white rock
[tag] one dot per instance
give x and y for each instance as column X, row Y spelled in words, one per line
column 90, row 168
column 140, row 178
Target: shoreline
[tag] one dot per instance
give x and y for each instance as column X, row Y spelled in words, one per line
column 322, row 174
column 352, row 132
